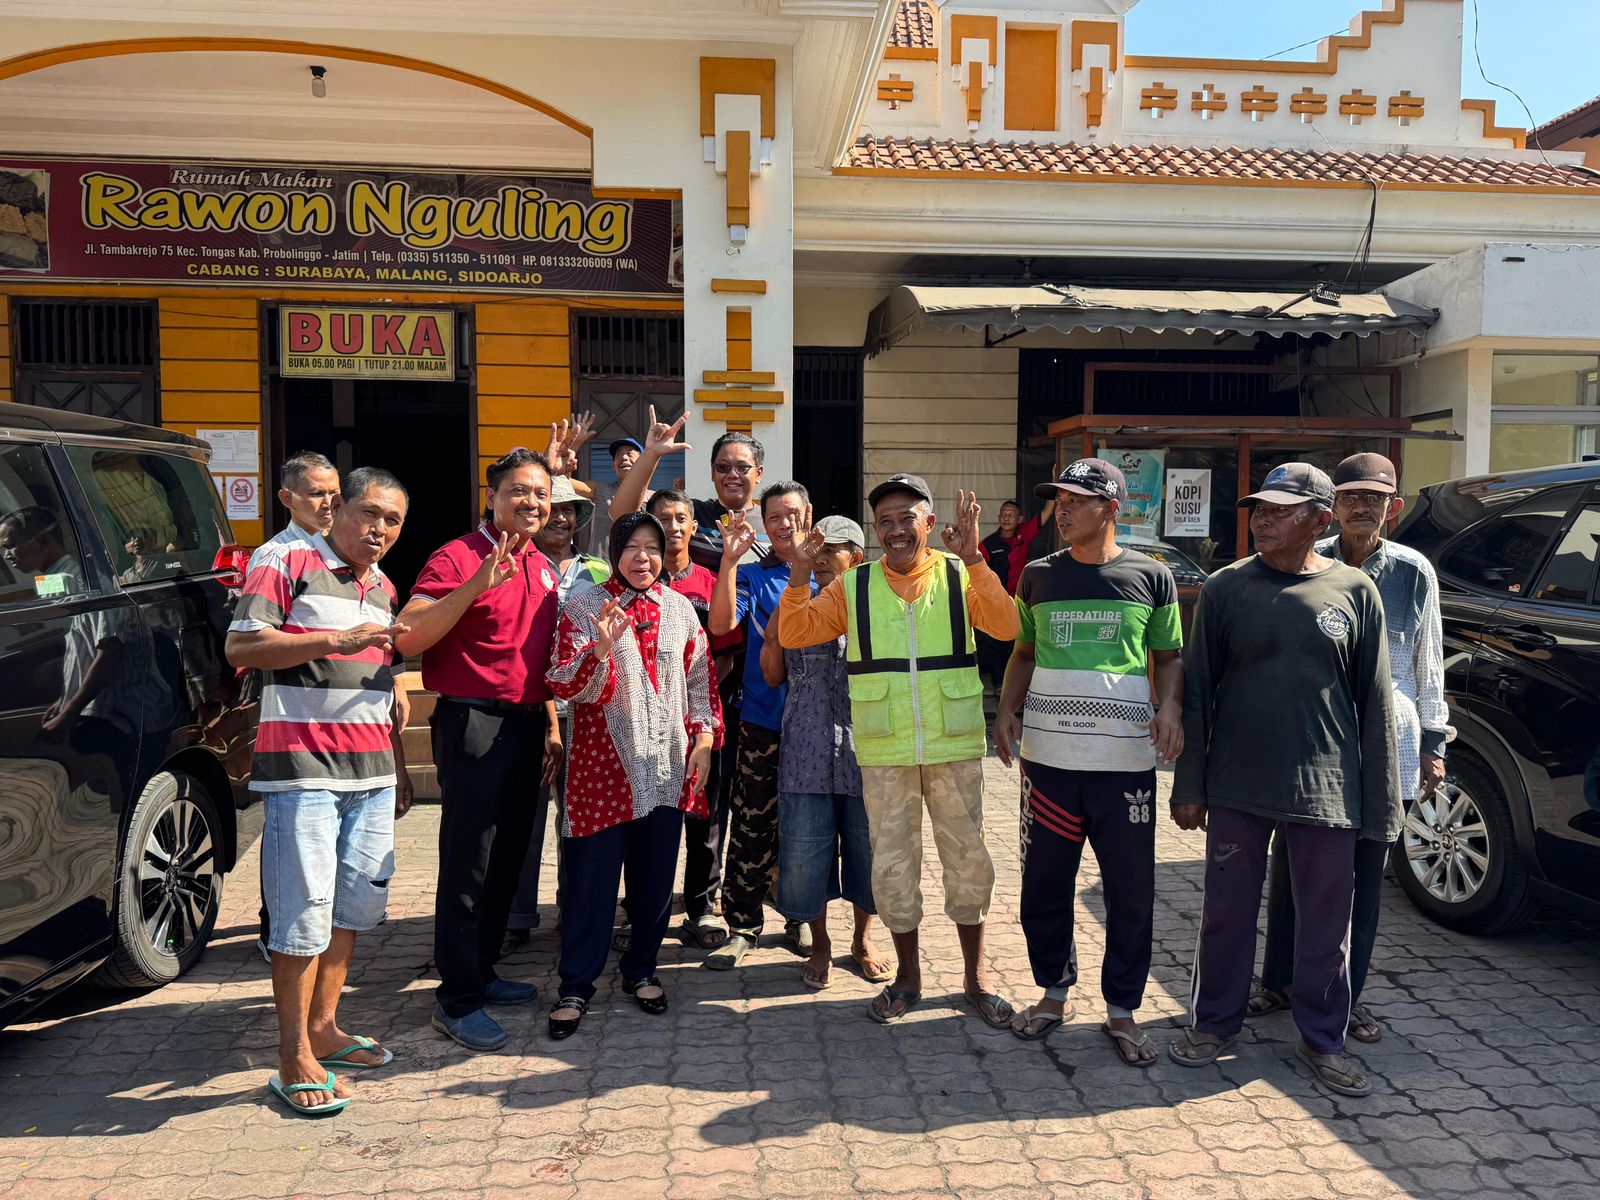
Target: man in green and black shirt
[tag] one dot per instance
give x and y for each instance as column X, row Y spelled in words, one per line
column 1093, row 727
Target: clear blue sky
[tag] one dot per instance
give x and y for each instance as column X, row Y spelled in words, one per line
column 1545, row 49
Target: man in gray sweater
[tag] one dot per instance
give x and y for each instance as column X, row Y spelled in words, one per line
column 1288, row 722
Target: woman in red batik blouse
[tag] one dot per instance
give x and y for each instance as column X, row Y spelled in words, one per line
column 633, row 661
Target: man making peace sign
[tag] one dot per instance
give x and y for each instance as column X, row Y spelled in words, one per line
column 916, row 704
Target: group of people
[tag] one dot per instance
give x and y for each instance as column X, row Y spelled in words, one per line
column 735, row 677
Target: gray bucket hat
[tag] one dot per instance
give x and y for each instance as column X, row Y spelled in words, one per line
column 562, row 492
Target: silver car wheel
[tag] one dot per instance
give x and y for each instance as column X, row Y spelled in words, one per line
column 177, row 872
column 1447, row 844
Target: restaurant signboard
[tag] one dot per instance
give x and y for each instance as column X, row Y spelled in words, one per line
column 381, row 229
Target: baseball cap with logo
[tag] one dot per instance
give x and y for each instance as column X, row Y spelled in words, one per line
column 1087, row 477
column 1366, row 473
column 1293, row 483
column 836, row 531
column 915, row 484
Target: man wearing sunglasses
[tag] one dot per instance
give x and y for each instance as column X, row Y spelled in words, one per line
column 1365, row 500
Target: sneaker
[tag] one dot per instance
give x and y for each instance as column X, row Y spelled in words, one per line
column 505, row 993
column 476, row 1031
column 798, row 934
column 731, row 953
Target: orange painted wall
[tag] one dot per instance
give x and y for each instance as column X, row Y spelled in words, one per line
column 524, row 351
column 5, row 349
column 1032, row 68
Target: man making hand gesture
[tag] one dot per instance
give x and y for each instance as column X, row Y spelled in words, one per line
column 918, row 725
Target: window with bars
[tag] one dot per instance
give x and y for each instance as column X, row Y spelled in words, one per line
column 630, row 347
column 93, row 357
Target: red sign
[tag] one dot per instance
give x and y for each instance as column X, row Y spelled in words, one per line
column 279, row 226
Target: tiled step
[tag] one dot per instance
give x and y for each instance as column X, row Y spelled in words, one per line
column 418, row 739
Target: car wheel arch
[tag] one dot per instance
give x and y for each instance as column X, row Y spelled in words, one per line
column 1486, row 743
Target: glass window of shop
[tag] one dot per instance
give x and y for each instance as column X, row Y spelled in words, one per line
column 1546, row 409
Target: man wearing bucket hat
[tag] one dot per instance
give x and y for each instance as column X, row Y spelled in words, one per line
column 1092, row 725
column 1366, row 499
column 1288, row 723
column 556, row 539
column 916, row 712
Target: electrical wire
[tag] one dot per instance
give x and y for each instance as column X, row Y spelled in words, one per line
column 1477, row 54
column 1303, row 45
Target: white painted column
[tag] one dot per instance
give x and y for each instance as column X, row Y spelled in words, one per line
column 1474, row 415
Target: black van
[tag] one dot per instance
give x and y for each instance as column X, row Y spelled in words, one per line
column 124, row 736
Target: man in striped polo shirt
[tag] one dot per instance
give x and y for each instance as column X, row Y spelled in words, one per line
column 317, row 619
column 1093, row 726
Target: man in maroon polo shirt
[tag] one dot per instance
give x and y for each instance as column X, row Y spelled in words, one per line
column 483, row 616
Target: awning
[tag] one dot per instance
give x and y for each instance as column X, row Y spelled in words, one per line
column 1065, row 308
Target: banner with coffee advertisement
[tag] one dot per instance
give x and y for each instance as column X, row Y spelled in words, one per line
column 266, row 225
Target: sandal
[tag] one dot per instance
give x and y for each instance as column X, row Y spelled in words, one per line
column 894, row 996
column 798, row 935
column 1029, row 1015
column 1363, row 1026
column 1264, row 1000
column 1200, row 1053
column 1003, row 1012
column 283, row 1092
column 882, row 974
column 654, row 1005
column 341, row 1058
column 566, row 1027
column 706, row 931
column 817, row 983
column 1125, row 1044
column 622, row 939
column 1335, row 1072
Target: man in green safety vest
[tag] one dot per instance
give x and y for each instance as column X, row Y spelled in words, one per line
column 916, row 704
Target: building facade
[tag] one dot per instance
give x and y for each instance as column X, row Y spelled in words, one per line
column 961, row 239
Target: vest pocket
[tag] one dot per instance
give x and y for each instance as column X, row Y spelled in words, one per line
column 963, row 703
column 869, row 706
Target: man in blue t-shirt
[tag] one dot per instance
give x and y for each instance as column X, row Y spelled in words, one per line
column 747, row 595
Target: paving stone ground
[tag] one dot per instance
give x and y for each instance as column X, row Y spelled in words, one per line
column 1488, row 1076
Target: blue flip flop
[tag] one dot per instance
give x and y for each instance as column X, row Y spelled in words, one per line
column 341, row 1058
column 283, row 1092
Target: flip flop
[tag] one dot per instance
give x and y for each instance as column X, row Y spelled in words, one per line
column 895, row 996
column 1264, row 1001
column 341, row 1058
column 881, row 975
column 818, row 984
column 708, row 932
column 1121, row 1037
column 282, row 1091
column 1363, row 1027
column 1031, row 1014
column 1211, row 1050
column 1003, row 1012
column 1329, row 1075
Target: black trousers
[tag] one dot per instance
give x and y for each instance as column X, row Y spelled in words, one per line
column 1277, row 967
column 488, row 763
column 993, row 655
column 704, row 838
column 1115, row 811
column 642, row 853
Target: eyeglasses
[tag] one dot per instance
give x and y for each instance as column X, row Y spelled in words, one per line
column 740, row 469
column 1364, row 499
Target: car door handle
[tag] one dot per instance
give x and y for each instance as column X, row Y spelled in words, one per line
column 1523, row 637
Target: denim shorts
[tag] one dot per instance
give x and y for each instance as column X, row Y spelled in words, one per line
column 824, row 854
column 326, row 861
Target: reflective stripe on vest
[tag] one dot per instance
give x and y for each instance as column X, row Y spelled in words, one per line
column 956, row 594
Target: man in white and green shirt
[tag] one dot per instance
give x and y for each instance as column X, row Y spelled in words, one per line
column 1092, row 729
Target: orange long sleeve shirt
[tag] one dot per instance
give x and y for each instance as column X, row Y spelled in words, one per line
column 806, row 620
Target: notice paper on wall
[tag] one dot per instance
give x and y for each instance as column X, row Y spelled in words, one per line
column 243, row 496
column 232, row 450
column 1139, row 518
column 1189, row 502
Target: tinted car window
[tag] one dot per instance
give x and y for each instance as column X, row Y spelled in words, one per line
column 1500, row 555
column 157, row 512
column 1569, row 575
column 39, row 554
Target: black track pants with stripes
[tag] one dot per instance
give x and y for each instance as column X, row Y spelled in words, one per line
column 1115, row 811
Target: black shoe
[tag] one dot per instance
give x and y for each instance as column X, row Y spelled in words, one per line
column 560, row 1030
column 655, row 1006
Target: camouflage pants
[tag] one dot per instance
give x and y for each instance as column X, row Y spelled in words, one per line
column 751, row 863
column 953, row 794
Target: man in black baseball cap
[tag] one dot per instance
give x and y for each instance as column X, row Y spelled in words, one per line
column 1288, row 724
column 624, row 453
column 914, row 485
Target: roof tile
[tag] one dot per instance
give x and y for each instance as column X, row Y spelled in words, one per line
column 915, row 26
column 1222, row 163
